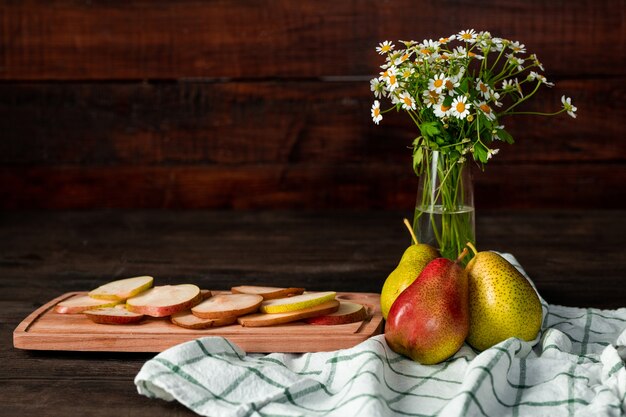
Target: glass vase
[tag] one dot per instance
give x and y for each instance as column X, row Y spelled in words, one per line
column 444, row 211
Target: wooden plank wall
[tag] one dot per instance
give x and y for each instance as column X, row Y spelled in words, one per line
column 265, row 103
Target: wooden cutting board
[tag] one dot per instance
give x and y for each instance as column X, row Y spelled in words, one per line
column 44, row 329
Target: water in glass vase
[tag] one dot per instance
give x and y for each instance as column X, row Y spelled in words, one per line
column 448, row 230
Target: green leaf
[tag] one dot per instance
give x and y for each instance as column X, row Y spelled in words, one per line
column 430, row 129
column 505, row 136
column 480, row 152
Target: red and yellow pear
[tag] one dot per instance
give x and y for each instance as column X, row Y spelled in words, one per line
column 429, row 320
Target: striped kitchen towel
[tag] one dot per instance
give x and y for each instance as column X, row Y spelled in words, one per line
column 575, row 368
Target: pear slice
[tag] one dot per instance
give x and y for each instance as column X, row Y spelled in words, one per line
column 261, row 320
column 165, row 300
column 187, row 320
column 348, row 313
column 298, row 302
column 122, row 289
column 113, row 315
column 268, row 293
column 82, row 303
column 227, row 305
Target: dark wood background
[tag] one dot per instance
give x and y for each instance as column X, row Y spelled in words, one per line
column 265, row 104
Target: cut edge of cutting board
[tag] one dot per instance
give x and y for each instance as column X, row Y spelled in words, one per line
column 290, row 338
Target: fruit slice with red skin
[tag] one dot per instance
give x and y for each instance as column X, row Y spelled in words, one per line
column 122, row 289
column 227, row 305
column 187, row 320
column 82, row 303
column 262, row 319
column 113, row 315
column 165, row 300
column 268, row 293
column 348, row 313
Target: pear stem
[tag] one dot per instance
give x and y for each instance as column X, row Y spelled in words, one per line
column 462, row 255
column 472, row 247
column 408, row 226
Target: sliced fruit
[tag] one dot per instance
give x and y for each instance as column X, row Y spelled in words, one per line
column 348, row 313
column 298, row 302
column 268, row 293
column 82, row 303
column 122, row 289
column 206, row 294
column 187, row 320
column 227, row 305
column 165, row 300
column 113, row 315
column 261, row 320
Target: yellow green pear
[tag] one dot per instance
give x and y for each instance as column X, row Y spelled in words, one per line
column 413, row 261
column 502, row 303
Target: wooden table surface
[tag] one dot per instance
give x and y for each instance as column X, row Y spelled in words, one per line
column 575, row 258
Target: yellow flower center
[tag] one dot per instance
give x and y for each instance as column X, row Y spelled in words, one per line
column 485, row 108
column 460, row 107
column 425, row 51
column 406, row 73
column 444, row 108
column 392, row 79
column 449, row 85
column 466, row 36
column 444, row 40
column 386, row 48
column 404, row 57
column 438, row 83
column 471, row 54
column 408, row 101
column 376, row 112
column 483, row 87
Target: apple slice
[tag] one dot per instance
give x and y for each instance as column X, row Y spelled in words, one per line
column 113, row 315
column 297, row 302
column 261, row 320
column 165, row 300
column 227, row 305
column 206, row 294
column 82, row 303
column 122, row 289
column 268, row 293
column 348, row 313
column 187, row 320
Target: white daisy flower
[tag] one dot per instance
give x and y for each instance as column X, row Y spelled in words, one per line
column 406, row 72
column 404, row 56
column 515, row 61
column 451, row 84
column 483, row 89
column 460, row 107
column 508, row 85
column 496, row 97
column 408, row 103
column 517, row 48
column 437, row 83
column 568, row 106
column 377, row 87
column 441, row 110
column 467, row 35
column 487, row 111
column 384, row 47
column 535, row 60
column 497, row 44
column 443, row 41
column 542, row 79
column 430, row 98
column 376, row 116
column 492, row 152
column 389, row 76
